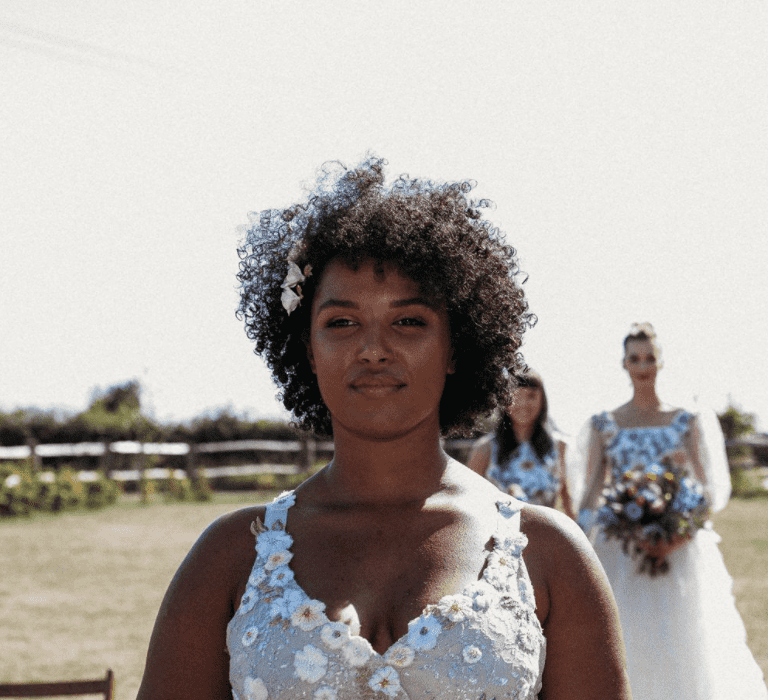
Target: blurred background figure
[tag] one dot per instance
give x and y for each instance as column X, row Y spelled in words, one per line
column 525, row 455
column 645, row 477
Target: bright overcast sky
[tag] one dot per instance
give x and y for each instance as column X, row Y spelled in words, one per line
column 624, row 143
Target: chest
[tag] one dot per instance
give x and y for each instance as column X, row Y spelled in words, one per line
column 482, row 640
column 625, row 448
column 377, row 577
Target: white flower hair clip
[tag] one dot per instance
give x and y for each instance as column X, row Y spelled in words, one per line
column 290, row 297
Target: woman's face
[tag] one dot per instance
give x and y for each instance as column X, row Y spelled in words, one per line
column 526, row 407
column 641, row 360
column 381, row 352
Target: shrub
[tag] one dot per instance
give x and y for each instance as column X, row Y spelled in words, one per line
column 18, row 489
column 23, row 492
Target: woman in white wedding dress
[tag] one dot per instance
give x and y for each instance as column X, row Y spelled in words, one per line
column 685, row 639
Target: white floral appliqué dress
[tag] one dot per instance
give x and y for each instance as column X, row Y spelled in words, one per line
column 482, row 643
column 685, row 639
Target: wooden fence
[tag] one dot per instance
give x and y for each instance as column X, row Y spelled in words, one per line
column 295, row 456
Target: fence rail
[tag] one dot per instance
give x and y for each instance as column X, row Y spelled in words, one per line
column 133, row 447
column 303, row 453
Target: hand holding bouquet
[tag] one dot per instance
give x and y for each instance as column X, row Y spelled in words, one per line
column 653, row 510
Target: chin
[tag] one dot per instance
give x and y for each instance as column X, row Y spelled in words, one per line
column 380, row 427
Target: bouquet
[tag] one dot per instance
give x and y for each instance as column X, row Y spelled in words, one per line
column 652, row 504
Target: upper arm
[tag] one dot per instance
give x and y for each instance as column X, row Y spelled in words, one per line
column 595, row 471
column 585, row 651
column 187, row 655
column 693, row 444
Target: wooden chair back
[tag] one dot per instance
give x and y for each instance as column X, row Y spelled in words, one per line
column 100, row 686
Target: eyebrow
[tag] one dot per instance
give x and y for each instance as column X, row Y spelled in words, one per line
column 345, row 304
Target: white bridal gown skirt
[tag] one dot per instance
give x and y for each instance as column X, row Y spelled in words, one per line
column 684, row 636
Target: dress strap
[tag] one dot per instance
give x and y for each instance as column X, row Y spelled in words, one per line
column 681, row 421
column 277, row 511
column 509, row 516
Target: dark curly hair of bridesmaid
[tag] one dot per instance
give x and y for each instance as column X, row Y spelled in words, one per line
column 434, row 234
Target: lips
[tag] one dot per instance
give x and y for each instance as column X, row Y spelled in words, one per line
column 377, row 384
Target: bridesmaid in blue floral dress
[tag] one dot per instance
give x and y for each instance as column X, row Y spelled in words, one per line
column 523, row 456
column 684, row 636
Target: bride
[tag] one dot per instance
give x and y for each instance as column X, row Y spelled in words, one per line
column 390, row 316
column 684, row 637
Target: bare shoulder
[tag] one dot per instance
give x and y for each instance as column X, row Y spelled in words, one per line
column 622, row 411
column 555, row 540
column 561, row 563
column 193, row 617
column 585, row 650
column 216, row 567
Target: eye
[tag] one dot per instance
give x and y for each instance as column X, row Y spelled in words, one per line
column 410, row 321
column 339, row 323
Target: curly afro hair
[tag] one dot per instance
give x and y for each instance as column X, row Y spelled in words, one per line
column 435, row 235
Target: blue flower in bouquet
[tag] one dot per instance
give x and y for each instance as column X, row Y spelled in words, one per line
column 649, row 495
column 606, row 516
column 633, row 511
column 654, row 468
column 690, row 495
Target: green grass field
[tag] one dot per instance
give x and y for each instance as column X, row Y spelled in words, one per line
column 79, row 591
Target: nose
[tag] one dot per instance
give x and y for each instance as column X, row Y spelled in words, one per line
column 374, row 347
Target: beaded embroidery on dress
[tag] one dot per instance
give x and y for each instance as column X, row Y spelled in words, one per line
column 482, row 643
column 684, row 636
column 525, row 475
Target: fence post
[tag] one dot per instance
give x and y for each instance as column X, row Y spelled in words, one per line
column 105, row 459
column 191, row 465
column 34, row 458
column 308, row 454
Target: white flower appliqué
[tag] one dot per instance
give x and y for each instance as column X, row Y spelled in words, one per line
column 285, row 606
column 273, row 541
column 248, row 601
column 471, row 654
column 357, row 651
column 309, row 615
column 499, row 570
column 281, row 576
column 255, row 689
column 526, row 592
column 310, row 664
column 400, row 655
column 386, row 681
column 277, row 559
column 249, row 636
column 455, row 607
column 256, row 577
column 290, row 298
column 335, row 635
column 423, row 632
column 506, row 508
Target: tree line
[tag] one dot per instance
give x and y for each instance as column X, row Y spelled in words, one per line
column 116, row 414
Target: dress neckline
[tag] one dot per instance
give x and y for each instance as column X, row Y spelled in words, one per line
column 507, row 511
column 675, row 418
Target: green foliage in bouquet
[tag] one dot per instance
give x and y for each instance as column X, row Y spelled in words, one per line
column 653, row 504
